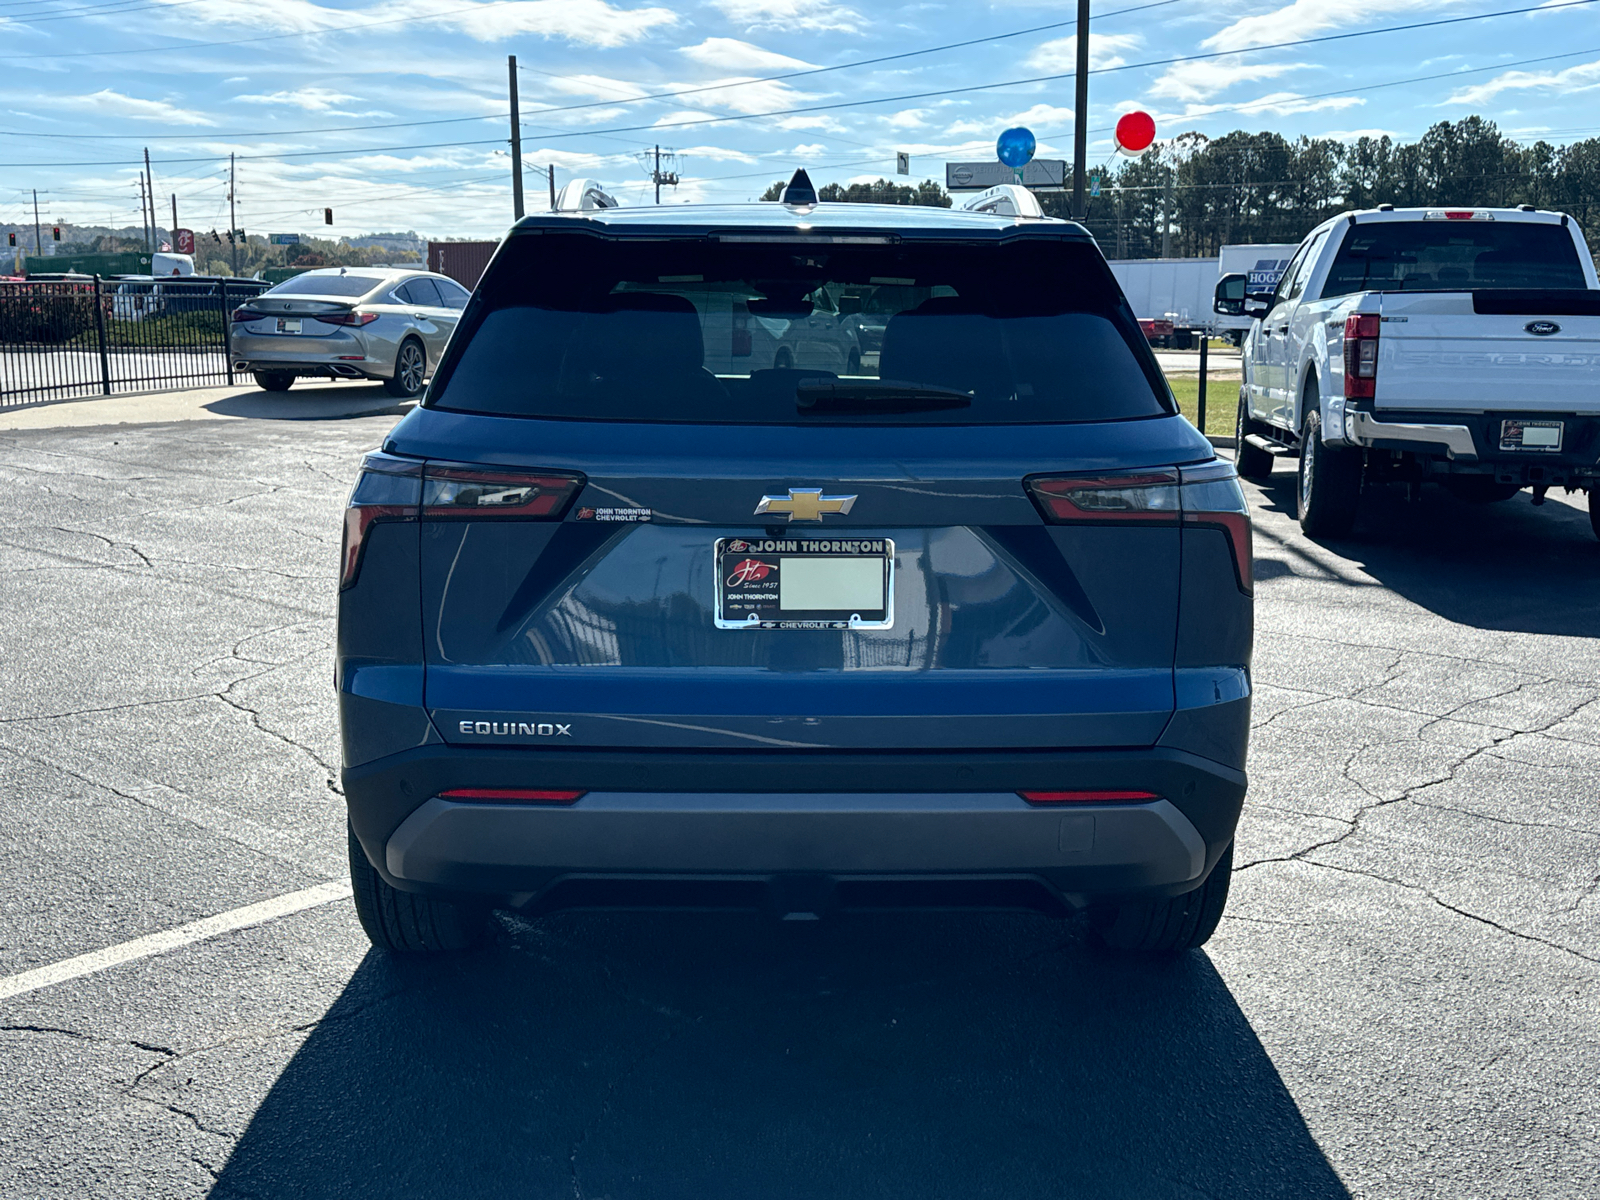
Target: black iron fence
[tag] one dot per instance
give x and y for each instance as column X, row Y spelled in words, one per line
column 66, row 338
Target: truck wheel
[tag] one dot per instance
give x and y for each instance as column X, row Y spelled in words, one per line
column 1166, row 926
column 1330, row 483
column 1251, row 462
column 407, row 923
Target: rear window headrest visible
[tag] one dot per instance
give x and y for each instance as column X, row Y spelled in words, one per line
column 661, row 332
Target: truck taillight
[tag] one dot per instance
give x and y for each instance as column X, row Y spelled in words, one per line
column 1361, row 355
column 1203, row 496
column 388, row 489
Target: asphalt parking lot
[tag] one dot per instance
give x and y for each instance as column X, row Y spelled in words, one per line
column 1401, row 1001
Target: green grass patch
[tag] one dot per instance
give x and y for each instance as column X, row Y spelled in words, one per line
column 1222, row 399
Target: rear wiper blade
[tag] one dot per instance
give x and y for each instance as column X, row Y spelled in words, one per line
column 876, row 396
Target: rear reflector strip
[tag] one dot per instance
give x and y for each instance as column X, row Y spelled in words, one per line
column 514, row 795
column 1089, row 796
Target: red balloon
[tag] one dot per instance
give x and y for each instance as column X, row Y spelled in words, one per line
column 1135, row 131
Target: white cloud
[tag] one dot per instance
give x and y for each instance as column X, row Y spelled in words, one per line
column 590, row 22
column 1202, row 80
column 1061, row 54
column 811, row 16
column 717, row 154
column 806, row 150
column 1278, row 104
column 1039, row 114
column 730, row 54
column 910, row 118
column 312, row 99
column 115, row 104
column 1582, row 78
column 1308, row 18
column 826, row 124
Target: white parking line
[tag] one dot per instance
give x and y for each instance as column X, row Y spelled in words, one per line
column 171, row 939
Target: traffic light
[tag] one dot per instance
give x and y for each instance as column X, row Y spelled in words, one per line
column 217, row 237
column 55, row 232
column 230, row 237
column 11, row 239
column 327, row 216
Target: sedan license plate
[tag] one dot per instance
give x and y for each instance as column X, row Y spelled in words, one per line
column 1530, row 435
column 288, row 324
column 805, row 583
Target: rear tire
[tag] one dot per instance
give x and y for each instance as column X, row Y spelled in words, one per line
column 1166, row 926
column 407, row 923
column 1251, row 462
column 274, row 381
column 410, row 367
column 1330, row 483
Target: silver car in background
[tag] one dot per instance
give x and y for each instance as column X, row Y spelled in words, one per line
column 348, row 323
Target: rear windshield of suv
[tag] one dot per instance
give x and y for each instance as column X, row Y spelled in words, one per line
column 724, row 331
column 326, row 285
column 1433, row 256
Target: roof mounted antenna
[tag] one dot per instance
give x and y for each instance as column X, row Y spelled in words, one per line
column 799, row 190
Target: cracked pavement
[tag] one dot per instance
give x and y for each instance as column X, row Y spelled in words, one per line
column 1401, row 1001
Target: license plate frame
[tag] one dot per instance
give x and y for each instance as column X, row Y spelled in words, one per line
column 1514, row 435
column 290, row 324
column 751, row 583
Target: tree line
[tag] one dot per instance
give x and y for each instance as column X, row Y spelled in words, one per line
column 1205, row 193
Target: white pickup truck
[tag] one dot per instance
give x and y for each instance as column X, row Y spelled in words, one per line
column 1450, row 346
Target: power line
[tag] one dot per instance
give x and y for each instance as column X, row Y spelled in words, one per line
column 863, row 62
column 984, row 87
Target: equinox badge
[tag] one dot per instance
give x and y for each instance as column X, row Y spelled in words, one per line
column 805, row 504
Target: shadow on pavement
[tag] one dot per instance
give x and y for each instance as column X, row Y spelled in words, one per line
column 316, row 403
column 718, row 1055
column 1508, row 566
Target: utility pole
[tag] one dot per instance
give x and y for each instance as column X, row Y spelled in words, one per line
column 657, row 175
column 233, row 217
column 144, row 215
column 150, row 182
column 1166, row 217
column 38, row 246
column 516, row 144
column 1080, row 116
column 174, row 220
column 552, row 170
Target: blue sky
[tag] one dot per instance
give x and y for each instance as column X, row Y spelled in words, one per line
column 86, row 84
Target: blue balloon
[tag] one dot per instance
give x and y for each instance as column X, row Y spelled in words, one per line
column 1015, row 147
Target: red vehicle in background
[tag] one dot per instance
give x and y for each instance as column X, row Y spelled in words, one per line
column 1157, row 330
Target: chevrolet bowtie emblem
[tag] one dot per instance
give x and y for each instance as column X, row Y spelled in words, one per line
column 805, row 504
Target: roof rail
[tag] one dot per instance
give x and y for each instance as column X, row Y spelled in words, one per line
column 583, row 195
column 1006, row 200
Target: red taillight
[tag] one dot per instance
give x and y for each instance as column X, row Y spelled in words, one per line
column 515, row 795
column 474, row 493
column 1089, row 796
column 1204, row 495
column 244, row 314
column 351, row 318
column 1148, row 496
column 388, row 489
column 1361, row 355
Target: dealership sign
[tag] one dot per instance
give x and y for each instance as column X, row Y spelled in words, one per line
column 980, row 176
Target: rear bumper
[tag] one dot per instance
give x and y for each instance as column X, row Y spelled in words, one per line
column 366, row 368
column 1469, row 443
column 853, row 823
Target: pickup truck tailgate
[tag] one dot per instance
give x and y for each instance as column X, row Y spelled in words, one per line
column 1440, row 351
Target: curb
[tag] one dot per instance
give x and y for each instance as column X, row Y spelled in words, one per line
column 1224, row 443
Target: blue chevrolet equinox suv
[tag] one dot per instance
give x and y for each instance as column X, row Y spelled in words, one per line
column 797, row 556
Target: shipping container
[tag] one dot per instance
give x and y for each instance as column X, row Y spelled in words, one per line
column 462, row 261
